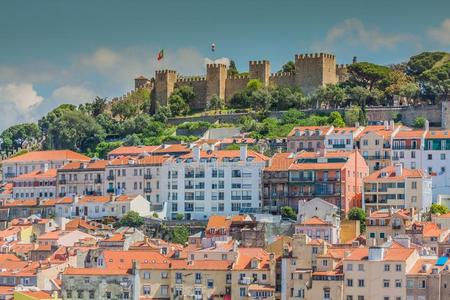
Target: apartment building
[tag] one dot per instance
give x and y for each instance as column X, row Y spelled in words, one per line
column 223, row 182
column 82, row 178
column 398, row 187
column 99, row 207
column 307, row 138
column 336, row 177
column 374, row 144
column 407, row 148
column 38, row 160
column 387, row 223
column 378, row 272
column 436, row 161
column 316, row 228
column 342, row 138
column 143, row 175
column 36, row 184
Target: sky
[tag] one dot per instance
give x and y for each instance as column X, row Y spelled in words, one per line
column 54, row 52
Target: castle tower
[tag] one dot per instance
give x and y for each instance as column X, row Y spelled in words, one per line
column 164, row 85
column 140, row 82
column 314, row 70
column 216, row 76
column 260, row 69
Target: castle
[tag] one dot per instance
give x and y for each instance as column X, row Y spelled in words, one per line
column 311, row 71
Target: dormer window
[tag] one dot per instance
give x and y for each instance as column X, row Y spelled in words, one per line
column 254, row 264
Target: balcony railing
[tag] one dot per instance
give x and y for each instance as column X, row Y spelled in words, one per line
column 147, row 190
column 376, row 157
column 110, row 177
column 10, row 174
column 62, row 181
column 98, row 180
column 147, row 176
column 338, row 146
column 110, row 190
column 189, row 187
column 189, row 175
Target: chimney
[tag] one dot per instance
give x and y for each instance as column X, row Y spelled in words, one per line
column 398, row 169
column 427, row 125
column 196, row 153
column 243, row 154
column 386, row 125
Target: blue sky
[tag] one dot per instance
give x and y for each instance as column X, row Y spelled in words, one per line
column 55, row 52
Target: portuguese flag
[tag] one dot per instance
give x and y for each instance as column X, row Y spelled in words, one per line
column 160, row 54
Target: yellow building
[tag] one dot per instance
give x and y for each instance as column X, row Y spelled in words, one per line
column 350, row 230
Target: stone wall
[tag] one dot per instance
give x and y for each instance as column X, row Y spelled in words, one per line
column 199, row 87
column 314, row 70
column 234, row 85
column 285, row 79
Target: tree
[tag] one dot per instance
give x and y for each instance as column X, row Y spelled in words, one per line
column 332, row 95
column 284, row 98
column 179, row 216
column 352, row 115
column 45, row 122
column 98, row 106
column 163, row 114
column 103, row 148
column 357, row 213
column 216, row 103
column 401, row 84
column 124, row 109
column 254, row 85
column 288, row 67
column 240, row 99
column 419, row 122
column 261, row 100
column 178, row 105
column 19, row 136
column 425, row 61
column 74, row 130
column 437, row 81
column 438, row 209
column 232, row 70
column 367, row 75
column 288, row 212
column 132, row 140
column 360, row 95
column 186, row 93
column 131, row 219
column 292, row 116
column 180, row 235
column 336, row 119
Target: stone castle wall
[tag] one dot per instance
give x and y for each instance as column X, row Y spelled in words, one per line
column 311, row 72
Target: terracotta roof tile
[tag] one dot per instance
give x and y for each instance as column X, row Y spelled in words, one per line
column 133, row 150
column 50, row 155
column 392, row 176
column 38, row 174
column 91, row 165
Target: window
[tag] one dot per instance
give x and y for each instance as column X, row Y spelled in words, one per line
column 413, row 154
column 410, row 284
column 398, row 267
column 414, row 185
column 360, row 297
column 210, row 283
column 242, row 292
column 422, row 284
column 398, row 283
column 349, row 282
column 430, row 156
column 80, row 294
column 326, row 293
column 164, row 275
column 198, row 277
column 164, row 290
column 442, row 156
column 126, row 295
column 381, row 235
column 361, row 282
column 387, row 268
column 386, row 283
column 349, row 297
column 147, row 290
column 349, row 267
column 146, row 275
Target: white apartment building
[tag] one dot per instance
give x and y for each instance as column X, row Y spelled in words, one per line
column 219, row 182
column 35, row 184
column 342, row 138
column 407, row 148
column 98, row 207
column 38, row 160
column 82, row 178
column 144, row 175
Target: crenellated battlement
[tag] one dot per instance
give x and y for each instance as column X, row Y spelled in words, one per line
column 191, row 79
column 341, row 66
column 246, row 76
column 258, row 62
column 215, row 66
column 314, row 55
column 165, row 72
column 282, row 74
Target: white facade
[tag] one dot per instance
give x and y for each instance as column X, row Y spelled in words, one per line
column 318, row 208
column 215, row 182
column 437, row 164
column 340, row 139
column 37, row 184
column 146, row 176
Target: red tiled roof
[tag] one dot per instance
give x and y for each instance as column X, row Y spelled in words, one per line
column 91, row 165
column 133, row 150
column 437, row 134
column 50, row 155
column 391, row 175
column 38, row 174
column 221, row 154
column 315, row 221
column 323, row 130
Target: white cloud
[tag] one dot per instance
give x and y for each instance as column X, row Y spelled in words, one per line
column 17, row 102
column 441, row 34
column 73, row 94
column 353, row 32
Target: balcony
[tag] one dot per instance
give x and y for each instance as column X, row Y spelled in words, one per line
column 62, row 181
column 110, row 190
column 110, row 177
column 200, row 186
column 147, row 176
column 98, row 180
column 303, row 179
column 246, row 197
column 396, row 226
column 61, row 194
column 376, row 157
column 235, row 197
column 147, row 190
column 200, row 175
column 189, row 175
column 189, row 187
column 10, row 174
column 338, row 146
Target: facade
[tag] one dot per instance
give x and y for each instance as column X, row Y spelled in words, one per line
column 316, row 228
column 397, row 187
column 308, row 138
column 144, row 175
column 82, row 178
column 342, row 138
column 374, row 144
column 388, row 223
column 36, row 184
column 223, row 182
column 311, row 72
column 435, row 159
column 407, row 148
column 38, row 160
column 336, row 177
